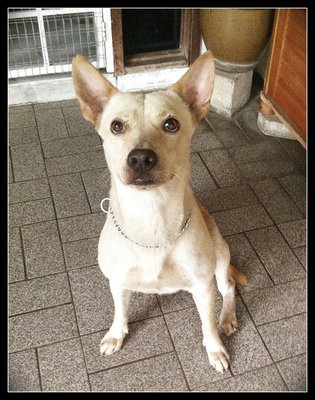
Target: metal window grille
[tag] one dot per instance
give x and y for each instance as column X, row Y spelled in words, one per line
column 44, row 40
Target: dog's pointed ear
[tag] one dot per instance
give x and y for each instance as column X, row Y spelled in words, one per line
column 196, row 86
column 92, row 89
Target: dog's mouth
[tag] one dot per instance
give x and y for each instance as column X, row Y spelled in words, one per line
column 148, row 182
column 144, row 182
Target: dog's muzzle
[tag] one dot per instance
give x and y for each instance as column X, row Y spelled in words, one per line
column 141, row 162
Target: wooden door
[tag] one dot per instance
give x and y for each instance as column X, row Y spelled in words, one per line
column 285, row 84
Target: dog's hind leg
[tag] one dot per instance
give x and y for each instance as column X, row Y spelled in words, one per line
column 113, row 339
column 225, row 273
column 226, row 287
column 227, row 276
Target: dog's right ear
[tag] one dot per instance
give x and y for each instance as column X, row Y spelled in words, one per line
column 196, row 86
column 92, row 89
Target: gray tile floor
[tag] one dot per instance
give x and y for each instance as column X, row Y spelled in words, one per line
column 60, row 304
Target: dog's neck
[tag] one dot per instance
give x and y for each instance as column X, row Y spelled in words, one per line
column 151, row 215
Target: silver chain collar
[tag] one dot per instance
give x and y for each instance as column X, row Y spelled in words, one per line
column 147, row 246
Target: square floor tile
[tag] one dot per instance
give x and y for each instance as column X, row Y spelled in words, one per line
column 276, row 255
column 62, row 367
column 69, row 195
column 28, row 190
column 226, row 130
column 157, row 374
column 265, row 379
column 204, row 138
column 27, row 161
column 145, row 339
column 42, row 327
column 296, row 151
column 176, row 301
column 295, row 185
column 242, row 219
column 294, row 232
column 38, row 293
column 301, row 253
column 75, row 163
column 81, row 227
column 42, row 247
column 227, row 198
column 21, row 119
column 82, row 253
column 286, row 337
column 200, row 179
column 294, row 372
column 23, row 372
column 67, row 146
column 76, row 124
column 260, row 150
column 277, row 302
column 30, row 212
column 277, row 202
column 222, row 167
column 51, row 124
column 267, row 168
column 23, row 135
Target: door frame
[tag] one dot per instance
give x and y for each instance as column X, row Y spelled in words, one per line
column 184, row 56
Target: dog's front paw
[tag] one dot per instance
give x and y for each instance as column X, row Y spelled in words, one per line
column 228, row 322
column 219, row 360
column 110, row 344
column 218, row 356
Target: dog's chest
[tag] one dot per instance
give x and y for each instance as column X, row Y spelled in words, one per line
column 156, row 274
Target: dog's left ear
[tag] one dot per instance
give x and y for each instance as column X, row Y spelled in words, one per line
column 196, row 86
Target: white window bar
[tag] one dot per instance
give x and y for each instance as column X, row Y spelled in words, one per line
column 100, row 38
column 109, row 49
column 43, row 42
column 62, row 33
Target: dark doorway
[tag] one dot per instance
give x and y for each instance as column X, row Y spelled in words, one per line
column 154, row 38
column 150, row 30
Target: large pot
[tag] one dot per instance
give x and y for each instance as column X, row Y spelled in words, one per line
column 237, row 37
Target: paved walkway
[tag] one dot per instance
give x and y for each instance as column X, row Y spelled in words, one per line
column 60, row 303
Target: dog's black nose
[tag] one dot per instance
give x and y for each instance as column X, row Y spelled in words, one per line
column 141, row 160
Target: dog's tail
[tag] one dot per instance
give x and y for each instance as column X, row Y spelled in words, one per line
column 235, row 275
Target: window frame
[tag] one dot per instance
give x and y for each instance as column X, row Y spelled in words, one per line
column 188, row 51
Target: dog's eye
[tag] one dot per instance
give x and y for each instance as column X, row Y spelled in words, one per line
column 171, row 125
column 117, row 126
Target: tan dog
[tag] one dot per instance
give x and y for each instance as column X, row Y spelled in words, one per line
column 157, row 239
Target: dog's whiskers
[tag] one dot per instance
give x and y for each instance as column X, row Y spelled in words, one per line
column 180, row 179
